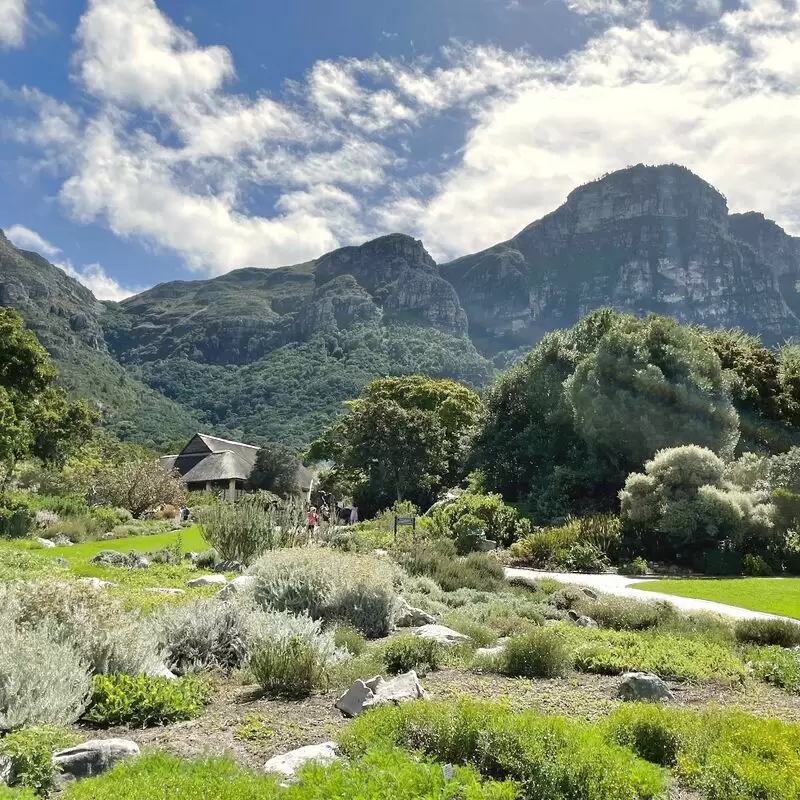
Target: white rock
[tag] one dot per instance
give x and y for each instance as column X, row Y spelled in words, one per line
column 5, row 770
column 377, row 692
column 490, row 651
column 643, row 686
column 159, row 590
column 93, row 757
column 406, row 616
column 239, row 585
column 46, row 543
column 288, row 764
column 97, row 583
column 208, row 580
column 441, row 634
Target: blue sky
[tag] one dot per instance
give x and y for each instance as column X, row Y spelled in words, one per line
column 149, row 140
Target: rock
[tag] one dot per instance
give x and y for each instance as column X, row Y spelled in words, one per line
column 190, row 556
column 441, row 634
column 379, row 552
column 61, row 562
column 240, row 584
column 93, row 757
column 46, row 543
column 487, row 545
column 643, row 686
column 141, row 563
column 97, row 583
column 110, row 558
column 6, row 770
column 207, row 580
column 590, row 593
column 489, row 652
column 407, row 616
column 581, row 620
column 161, row 672
column 62, row 541
column 376, row 692
column 158, row 590
column 288, row 764
column 228, row 566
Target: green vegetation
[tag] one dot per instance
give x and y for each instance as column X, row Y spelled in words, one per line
column 772, row 596
column 142, row 700
column 541, row 653
column 439, row 562
column 778, row 632
column 275, row 470
column 30, row 752
column 403, row 439
column 405, row 653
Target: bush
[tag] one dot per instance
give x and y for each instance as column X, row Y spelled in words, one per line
column 481, row 635
column 585, row 557
column 652, row 732
column 393, row 775
column 76, row 529
column 623, row 614
column 108, row 518
column 412, row 652
column 636, row 566
column 755, row 566
column 780, row 632
column 292, row 655
column 548, row 547
column 208, row 559
column 104, row 636
column 541, row 653
column 330, row 586
column 16, row 523
column 546, row 756
column 42, row 680
column 776, row 665
column 479, row 571
column 206, row 634
column 348, row 638
column 30, row 752
column 239, row 531
column 145, row 700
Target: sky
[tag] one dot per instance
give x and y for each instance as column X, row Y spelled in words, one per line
column 151, row 140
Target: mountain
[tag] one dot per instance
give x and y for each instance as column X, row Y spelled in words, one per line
column 261, row 354
column 66, row 317
column 642, row 239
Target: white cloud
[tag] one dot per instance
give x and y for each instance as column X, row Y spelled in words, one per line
column 170, row 154
column 12, row 23
column 93, row 276
column 26, row 239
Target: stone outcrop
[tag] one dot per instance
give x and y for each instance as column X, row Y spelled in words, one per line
column 441, row 634
column 406, row 616
column 640, row 686
column 92, row 757
column 376, row 692
column 286, row 765
column 207, row 580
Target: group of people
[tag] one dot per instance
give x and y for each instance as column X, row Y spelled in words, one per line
column 313, row 517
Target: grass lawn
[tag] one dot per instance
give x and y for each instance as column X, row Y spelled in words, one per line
column 769, row 595
column 191, row 540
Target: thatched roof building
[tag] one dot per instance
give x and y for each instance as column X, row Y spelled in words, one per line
column 209, row 463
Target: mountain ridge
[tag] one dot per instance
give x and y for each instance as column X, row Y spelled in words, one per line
column 270, row 353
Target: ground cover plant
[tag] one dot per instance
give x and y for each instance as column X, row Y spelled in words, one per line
column 30, row 752
column 771, row 595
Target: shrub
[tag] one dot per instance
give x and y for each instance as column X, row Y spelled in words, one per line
column 393, row 775
column 481, row 635
column 206, row 634
column 30, row 752
column 16, row 523
column 107, row 518
column 755, row 566
column 207, row 559
column 42, row 680
column 76, row 529
column 292, row 655
column 330, row 586
column 623, row 614
column 780, row 632
column 636, row 566
column 546, row 756
column 548, row 547
column 654, row 733
column 585, row 557
column 348, row 638
column 106, row 638
column 239, row 531
column 412, row 652
column 45, row 518
column 776, row 665
column 143, row 700
column 541, row 653
column 485, row 514
column 479, row 571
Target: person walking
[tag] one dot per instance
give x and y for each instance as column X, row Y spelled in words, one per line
column 311, row 522
column 353, row 516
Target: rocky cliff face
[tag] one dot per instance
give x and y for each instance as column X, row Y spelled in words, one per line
column 644, row 239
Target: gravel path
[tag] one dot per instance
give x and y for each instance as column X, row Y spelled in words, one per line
column 620, row 585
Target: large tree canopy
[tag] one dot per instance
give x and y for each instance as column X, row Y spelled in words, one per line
column 35, row 416
column 275, row 470
column 403, row 439
column 592, row 403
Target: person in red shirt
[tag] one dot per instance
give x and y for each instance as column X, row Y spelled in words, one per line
column 311, row 521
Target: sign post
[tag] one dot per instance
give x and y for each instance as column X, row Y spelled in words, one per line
column 400, row 522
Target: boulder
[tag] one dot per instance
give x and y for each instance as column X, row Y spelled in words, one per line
column 110, row 558
column 590, row 593
column 489, row 652
column 207, row 580
column 407, row 616
column 92, row 757
column 239, row 585
column 98, row 583
column 377, row 692
column 159, row 590
column 379, row 552
column 141, row 563
column 46, row 543
column 62, row 541
column 441, row 634
column 643, row 686
column 287, row 765
column 6, row 771
column 487, row 545
column 228, row 566
column 581, row 620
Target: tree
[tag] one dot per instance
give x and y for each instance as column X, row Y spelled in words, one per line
column 138, row 485
column 275, row 470
column 680, row 508
column 36, row 418
column 403, row 439
column 590, row 404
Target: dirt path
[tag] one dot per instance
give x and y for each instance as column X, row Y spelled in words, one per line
column 620, row 585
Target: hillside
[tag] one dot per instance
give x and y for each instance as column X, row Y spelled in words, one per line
column 271, row 354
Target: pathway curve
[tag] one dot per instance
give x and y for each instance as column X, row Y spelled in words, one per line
column 619, row 585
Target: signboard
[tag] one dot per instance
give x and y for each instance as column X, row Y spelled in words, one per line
column 409, row 522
